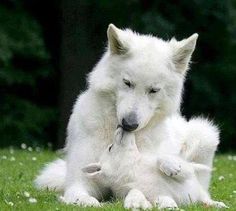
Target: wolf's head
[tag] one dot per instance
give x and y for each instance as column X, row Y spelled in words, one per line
column 144, row 73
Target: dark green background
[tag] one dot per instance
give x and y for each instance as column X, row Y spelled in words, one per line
column 48, row 47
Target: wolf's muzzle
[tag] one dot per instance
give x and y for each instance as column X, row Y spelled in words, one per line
column 130, row 122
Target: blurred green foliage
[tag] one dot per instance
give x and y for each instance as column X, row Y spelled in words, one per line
column 24, row 63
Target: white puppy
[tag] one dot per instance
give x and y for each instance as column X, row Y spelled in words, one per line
column 135, row 178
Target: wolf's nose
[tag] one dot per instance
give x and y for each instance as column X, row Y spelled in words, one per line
column 130, row 122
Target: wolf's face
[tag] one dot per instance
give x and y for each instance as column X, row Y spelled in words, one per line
column 145, row 74
column 146, row 90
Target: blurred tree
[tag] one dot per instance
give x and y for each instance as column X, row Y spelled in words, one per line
column 25, row 72
column 78, row 53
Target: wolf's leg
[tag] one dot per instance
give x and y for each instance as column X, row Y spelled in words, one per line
column 206, row 200
column 163, row 202
column 77, row 194
column 201, row 140
column 136, row 200
column 78, row 190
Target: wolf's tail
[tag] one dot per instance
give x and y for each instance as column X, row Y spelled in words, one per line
column 52, row 176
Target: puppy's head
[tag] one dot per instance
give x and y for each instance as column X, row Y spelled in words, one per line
column 115, row 160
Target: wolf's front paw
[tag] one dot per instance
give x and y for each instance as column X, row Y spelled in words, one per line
column 164, row 202
column 170, row 167
column 137, row 203
column 216, row 204
column 136, row 200
column 81, row 200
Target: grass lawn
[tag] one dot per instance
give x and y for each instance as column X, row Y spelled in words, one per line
column 18, row 168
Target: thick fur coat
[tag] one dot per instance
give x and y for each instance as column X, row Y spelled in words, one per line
column 138, row 84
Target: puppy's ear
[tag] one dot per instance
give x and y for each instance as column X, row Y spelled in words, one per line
column 115, row 43
column 92, row 170
column 182, row 52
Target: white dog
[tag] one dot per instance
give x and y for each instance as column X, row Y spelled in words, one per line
column 136, row 179
column 137, row 84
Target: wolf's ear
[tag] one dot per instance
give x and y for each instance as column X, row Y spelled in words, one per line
column 92, row 170
column 182, row 52
column 115, row 43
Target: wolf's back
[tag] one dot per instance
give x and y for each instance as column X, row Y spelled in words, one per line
column 52, row 176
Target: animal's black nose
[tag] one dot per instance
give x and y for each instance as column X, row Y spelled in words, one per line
column 130, row 123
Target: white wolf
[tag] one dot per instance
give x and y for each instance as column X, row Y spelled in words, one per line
column 136, row 179
column 137, row 84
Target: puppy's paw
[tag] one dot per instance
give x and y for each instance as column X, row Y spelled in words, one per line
column 170, row 168
column 166, row 202
column 118, row 134
column 81, row 200
column 136, row 200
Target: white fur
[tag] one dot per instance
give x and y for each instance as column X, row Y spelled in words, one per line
column 136, row 178
column 55, row 177
column 148, row 63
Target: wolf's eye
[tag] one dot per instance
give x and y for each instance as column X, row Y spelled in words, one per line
column 109, row 149
column 154, row 90
column 127, row 82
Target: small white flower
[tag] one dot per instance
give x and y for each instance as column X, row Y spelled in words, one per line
column 4, row 157
column 30, row 149
column 32, row 200
column 234, row 158
column 230, row 157
column 37, row 149
column 12, row 158
column 234, row 191
column 221, row 178
column 34, row 158
column 10, row 203
column 23, row 146
column 26, row 194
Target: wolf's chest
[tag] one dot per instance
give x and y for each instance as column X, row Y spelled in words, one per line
column 105, row 131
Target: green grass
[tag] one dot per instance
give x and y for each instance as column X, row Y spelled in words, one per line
column 18, row 168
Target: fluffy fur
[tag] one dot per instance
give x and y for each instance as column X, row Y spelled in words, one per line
column 142, row 75
column 125, row 170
